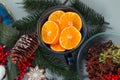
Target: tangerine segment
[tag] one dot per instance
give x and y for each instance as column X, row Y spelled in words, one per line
column 50, row 32
column 70, row 37
column 70, row 19
column 57, row 47
column 55, row 16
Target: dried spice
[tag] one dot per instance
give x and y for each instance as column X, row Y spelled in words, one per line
column 99, row 47
column 112, row 52
column 98, row 70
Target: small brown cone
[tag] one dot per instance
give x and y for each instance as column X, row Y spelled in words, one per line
column 24, row 48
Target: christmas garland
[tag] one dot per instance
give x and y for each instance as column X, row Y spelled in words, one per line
column 95, row 23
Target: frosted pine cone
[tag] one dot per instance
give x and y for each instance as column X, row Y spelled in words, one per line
column 24, row 48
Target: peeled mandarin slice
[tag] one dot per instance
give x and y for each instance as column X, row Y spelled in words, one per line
column 55, row 16
column 57, row 47
column 70, row 37
column 50, row 32
column 70, row 19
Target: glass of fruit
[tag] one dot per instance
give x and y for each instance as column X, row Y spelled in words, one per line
column 99, row 57
column 61, row 31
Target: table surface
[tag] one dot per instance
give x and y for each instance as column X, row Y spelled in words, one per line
column 108, row 8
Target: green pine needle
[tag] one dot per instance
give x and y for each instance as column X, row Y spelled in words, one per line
column 89, row 14
column 8, row 35
column 46, row 60
column 11, row 69
column 40, row 4
column 93, row 20
column 95, row 30
column 27, row 24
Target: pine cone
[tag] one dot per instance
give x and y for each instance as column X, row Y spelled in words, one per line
column 24, row 48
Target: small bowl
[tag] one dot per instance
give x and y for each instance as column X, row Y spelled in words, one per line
column 82, row 54
column 44, row 18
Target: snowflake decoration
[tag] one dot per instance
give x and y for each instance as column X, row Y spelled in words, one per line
column 36, row 74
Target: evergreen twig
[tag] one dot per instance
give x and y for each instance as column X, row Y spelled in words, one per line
column 44, row 59
column 93, row 19
column 11, row 70
column 8, row 35
column 27, row 24
column 40, row 4
column 89, row 14
column 95, row 30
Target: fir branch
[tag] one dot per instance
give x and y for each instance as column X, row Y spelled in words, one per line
column 27, row 24
column 8, row 35
column 44, row 59
column 92, row 30
column 71, row 74
column 89, row 14
column 40, row 4
column 11, row 69
column 95, row 22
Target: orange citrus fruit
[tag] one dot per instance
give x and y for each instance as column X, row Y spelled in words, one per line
column 50, row 32
column 55, row 16
column 70, row 19
column 70, row 37
column 57, row 47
